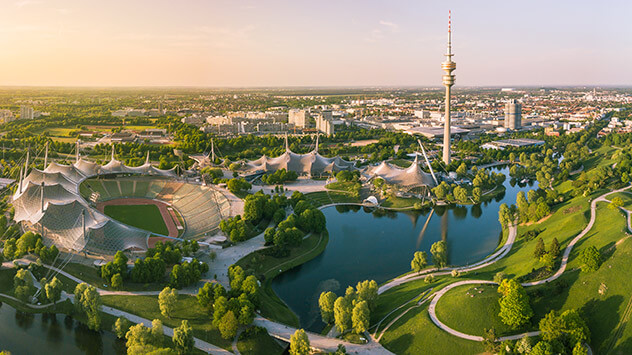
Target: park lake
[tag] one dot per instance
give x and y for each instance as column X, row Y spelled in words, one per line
column 367, row 244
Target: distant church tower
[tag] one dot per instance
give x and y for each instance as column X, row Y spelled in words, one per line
column 448, row 80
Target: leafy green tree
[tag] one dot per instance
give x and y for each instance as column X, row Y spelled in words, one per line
column 9, row 249
column 23, row 283
column 53, row 290
column 268, row 235
column 476, row 194
column 220, row 307
column 542, row 348
column 554, row 249
column 616, row 202
column 206, row 295
column 299, row 343
column 460, row 194
column 326, row 303
column 439, row 251
column 590, row 259
column 419, row 262
column 228, row 325
column 540, row 249
column 342, row 314
column 515, row 309
column 367, row 291
column 580, row 349
column 167, row 300
column 88, row 301
column 568, row 327
column 360, row 317
column 461, row 171
column 157, row 332
column 183, row 338
column 121, row 327
column 117, row 281
column 237, row 276
column 548, row 260
column 524, row 345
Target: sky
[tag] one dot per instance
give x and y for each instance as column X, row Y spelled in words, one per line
column 234, row 43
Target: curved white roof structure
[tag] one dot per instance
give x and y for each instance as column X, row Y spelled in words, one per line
column 49, row 200
column 311, row 163
column 409, row 178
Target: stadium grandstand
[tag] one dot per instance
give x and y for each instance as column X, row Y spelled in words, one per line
column 55, row 203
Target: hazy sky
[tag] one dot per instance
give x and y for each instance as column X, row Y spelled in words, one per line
column 313, row 43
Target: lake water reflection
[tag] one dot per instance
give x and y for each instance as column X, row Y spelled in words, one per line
column 378, row 245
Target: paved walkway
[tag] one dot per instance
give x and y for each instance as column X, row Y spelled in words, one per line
column 567, row 251
column 320, row 342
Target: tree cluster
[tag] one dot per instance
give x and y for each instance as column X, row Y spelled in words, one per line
column 351, row 311
column 187, row 273
column 29, row 242
column 279, row 177
column 564, row 332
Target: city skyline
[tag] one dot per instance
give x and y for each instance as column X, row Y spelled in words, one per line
column 282, row 43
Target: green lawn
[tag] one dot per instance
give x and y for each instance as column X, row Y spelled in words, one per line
column 145, row 217
column 414, row 333
column 258, row 344
column 187, row 308
column 320, row 198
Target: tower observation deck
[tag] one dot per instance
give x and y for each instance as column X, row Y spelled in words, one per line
column 448, row 80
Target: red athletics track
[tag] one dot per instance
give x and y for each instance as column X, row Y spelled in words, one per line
column 162, row 207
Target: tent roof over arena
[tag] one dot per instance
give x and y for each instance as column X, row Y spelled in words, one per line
column 51, row 199
column 409, row 177
column 311, row 163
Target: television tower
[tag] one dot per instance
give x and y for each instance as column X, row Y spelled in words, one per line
column 448, row 80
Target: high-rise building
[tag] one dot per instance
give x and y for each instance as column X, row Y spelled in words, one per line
column 513, row 114
column 324, row 122
column 448, row 80
column 26, row 113
column 299, row 118
column 6, row 116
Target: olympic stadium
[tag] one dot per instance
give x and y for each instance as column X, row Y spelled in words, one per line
column 66, row 204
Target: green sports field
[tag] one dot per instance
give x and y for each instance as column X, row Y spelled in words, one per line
column 146, row 217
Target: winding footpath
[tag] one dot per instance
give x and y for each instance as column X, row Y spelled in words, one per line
column 560, row 271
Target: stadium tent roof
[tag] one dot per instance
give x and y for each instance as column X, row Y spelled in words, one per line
column 311, row 163
column 410, row 177
column 50, row 198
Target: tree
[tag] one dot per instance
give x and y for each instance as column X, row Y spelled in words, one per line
column 23, row 283
column 367, row 291
column 554, row 249
column 524, row 345
column 461, row 171
column 548, row 260
column 342, row 314
column 250, row 287
column 138, row 340
column 206, row 295
column 268, row 235
column 117, row 281
column 616, row 202
column 88, row 301
column 157, row 332
column 183, row 337
column 515, row 310
column 590, row 259
column 326, row 304
column 121, row 327
column 505, row 216
column 542, row 348
column 568, row 327
column 360, row 317
column 580, row 349
column 439, row 251
column 53, row 290
column 460, row 194
column 299, row 343
column 167, row 301
column 540, row 249
column 228, row 325
column 419, row 261
column 476, row 194
column 236, row 275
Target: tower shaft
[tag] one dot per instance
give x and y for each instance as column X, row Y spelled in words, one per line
column 448, row 80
